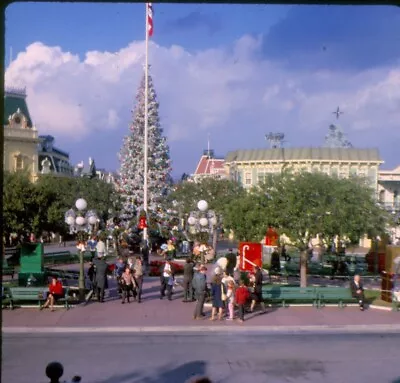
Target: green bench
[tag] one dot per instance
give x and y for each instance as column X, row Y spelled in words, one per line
column 283, row 295
column 33, row 294
column 341, row 295
column 57, row 258
column 62, row 274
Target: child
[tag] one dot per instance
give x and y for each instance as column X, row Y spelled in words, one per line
column 230, row 299
column 128, row 284
column 241, row 296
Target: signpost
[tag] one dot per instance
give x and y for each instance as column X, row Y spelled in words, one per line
column 250, row 255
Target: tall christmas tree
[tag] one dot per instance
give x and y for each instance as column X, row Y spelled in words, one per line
column 132, row 159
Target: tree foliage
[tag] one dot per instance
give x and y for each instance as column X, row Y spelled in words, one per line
column 218, row 193
column 305, row 205
column 19, row 205
column 41, row 206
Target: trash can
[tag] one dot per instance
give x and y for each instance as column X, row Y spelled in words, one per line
column 32, row 265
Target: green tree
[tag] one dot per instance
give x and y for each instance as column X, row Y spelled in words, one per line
column 247, row 216
column 62, row 192
column 19, row 204
column 218, row 193
column 306, row 205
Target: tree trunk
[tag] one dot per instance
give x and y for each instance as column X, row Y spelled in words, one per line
column 303, row 268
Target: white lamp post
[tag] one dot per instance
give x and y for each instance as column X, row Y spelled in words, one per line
column 202, row 220
column 77, row 222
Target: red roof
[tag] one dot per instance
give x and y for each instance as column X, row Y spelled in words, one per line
column 209, row 166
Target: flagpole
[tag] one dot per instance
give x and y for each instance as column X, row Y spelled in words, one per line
column 146, row 122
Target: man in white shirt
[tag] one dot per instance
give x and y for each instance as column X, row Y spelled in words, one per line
column 101, row 248
column 167, row 280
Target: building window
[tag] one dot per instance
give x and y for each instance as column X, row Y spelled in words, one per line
column 325, row 169
column 19, row 162
column 372, row 175
column 315, row 169
column 260, row 177
column 334, row 171
column 247, row 178
column 353, row 171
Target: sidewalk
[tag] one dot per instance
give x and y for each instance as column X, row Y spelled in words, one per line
column 153, row 312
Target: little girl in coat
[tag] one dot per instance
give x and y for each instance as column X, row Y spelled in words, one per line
column 230, row 299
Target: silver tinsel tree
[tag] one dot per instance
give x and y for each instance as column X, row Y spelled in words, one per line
column 336, row 138
column 131, row 157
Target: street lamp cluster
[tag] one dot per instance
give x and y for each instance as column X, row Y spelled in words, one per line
column 202, row 220
column 80, row 221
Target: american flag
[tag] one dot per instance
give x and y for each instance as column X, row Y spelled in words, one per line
column 150, row 19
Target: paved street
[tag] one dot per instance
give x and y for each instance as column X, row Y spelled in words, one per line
column 155, row 312
column 157, row 358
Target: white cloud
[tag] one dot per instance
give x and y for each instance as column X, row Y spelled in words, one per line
column 205, row 91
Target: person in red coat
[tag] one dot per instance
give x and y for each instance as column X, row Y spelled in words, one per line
column 241, row 296
column 56, row 291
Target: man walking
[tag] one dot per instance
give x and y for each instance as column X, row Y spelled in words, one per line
column 231, row 262
column 92, row 247
column 167, row 280
column 200, row 288
column 138, row 267
column 188, row 272
column 101, row 277
column 256, row 296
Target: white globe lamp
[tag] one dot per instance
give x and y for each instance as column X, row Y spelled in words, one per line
column 80, row 221
column 92, row 220
column 191, row 220
column 70, row 220
column 202, row 205
column 203, row 222
column 81, row 204
column 213, row 221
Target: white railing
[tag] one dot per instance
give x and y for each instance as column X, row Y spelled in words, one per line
column 27, row 133
column 388, row 177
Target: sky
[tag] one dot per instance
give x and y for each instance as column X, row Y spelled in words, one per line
column 229, row 72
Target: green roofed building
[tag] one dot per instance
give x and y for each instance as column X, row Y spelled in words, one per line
column 20, row 135
column 249, row 167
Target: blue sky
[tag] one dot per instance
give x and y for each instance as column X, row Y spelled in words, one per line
column 235, row 72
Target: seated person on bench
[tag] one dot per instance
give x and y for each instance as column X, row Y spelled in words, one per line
column 55, row 292
column 357, row 290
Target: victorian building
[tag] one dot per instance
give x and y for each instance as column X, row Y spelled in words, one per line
column 389, row 189
column 20, row 135
column 250, row 167
column 53, row 160
column 209, row 167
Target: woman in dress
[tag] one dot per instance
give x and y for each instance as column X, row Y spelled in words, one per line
column 218, row 292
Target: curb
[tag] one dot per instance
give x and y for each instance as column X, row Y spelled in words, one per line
column 383, row 308
column 365, row 329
